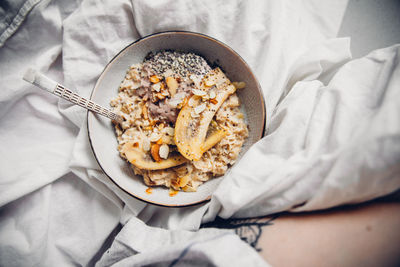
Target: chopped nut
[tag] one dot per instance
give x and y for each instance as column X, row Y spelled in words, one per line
column 164, row 151
column 205, row 97
column 172, row 85
column 160, row 141
column 130, row 84
column 160, row 96
column 165, row 92
column 155, row 148
column 145, row 112
column 172, row 192
column 149, row 191
column 183, row 103
column 136, row 144
column 214, row 101
column 239, row 85
column 188, row 188
column 184, row 180
column 154, row 79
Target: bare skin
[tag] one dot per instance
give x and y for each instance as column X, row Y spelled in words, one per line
column 360, row 235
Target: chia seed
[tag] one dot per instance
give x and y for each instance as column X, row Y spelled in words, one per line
column 180, row 63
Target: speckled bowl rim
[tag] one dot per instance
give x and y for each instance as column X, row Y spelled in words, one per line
column 155, row 35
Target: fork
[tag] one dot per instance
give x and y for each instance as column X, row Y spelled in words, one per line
column 40, row 80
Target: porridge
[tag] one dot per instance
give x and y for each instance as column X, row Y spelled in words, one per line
column 182, row 123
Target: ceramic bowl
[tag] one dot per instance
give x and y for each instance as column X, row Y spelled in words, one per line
column 101, row 131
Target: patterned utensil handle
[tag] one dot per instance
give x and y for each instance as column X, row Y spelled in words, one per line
column 40, row 80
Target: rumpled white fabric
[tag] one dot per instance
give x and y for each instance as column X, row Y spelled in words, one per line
column 333, row 131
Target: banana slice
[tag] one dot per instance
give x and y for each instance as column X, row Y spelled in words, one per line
column 191, row 127
column 214, row 134
column 139, row 158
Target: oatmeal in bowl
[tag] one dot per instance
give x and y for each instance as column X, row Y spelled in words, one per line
column 182, row 120
column 185, row 123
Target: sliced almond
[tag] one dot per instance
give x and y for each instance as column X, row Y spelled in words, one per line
column 210, row 79
column 212, row 94
column 209, row 83
column 164, row 151
column 180, row 95
column 194, row 115
column 198, row 92
column 156, row 87
column 174, row 102
column 154, row 137
column 200, row 108
column 166, row 139
column 169, row 130
column 196, row 80
column 192, row 101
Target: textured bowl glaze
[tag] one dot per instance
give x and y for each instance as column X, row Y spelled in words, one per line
column 101, row 131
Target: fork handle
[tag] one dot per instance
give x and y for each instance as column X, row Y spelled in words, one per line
column 44, row 82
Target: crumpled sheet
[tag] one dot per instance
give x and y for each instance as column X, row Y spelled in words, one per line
column 332, row 138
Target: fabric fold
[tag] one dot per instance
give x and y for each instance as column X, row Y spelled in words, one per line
column 332, row 136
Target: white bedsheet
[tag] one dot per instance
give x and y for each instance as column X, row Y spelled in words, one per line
column 333, row 131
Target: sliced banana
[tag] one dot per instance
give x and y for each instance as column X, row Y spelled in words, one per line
column 139, row 158
column 191, row 131
column 214, row 135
